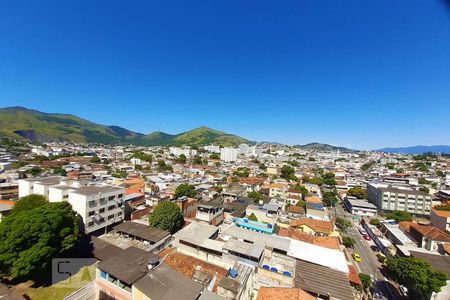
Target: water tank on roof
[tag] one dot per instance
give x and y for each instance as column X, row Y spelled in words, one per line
column 288, row 274
column 233, row 273
column 266, row 267
column 245, row 220
column 269, row 225
column 273, row 269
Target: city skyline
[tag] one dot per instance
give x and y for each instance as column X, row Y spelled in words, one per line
column 357, row 75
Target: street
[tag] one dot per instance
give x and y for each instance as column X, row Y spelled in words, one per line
column 369, row 264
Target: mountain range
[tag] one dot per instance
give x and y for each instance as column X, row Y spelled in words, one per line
column 418, row 149
column 33, row 125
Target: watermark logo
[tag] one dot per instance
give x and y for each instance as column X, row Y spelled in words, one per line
column 70, row 272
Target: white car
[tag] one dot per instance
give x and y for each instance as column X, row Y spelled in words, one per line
column 404, row 290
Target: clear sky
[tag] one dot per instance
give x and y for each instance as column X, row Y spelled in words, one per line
column 363, row 74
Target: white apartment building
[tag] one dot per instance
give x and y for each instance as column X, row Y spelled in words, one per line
column 244, row 149
column 186, row 151
column 389, row 198
column 39, row 186
column 212, row 148
column 98, row 206
column 229, row 154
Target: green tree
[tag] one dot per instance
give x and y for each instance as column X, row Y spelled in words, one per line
column 31, row 238
column 288, row 173
column 185, row 189
column 417, row 275
column 399, row 216
column 328, row 179
column 142, row 156
column 358, row 192
column 59, row 171
column 197, row 160
column 214, row 156
column 300, row 188
column 95, row 159
column 166, row 216
column 255, row 196
column 367, row 166
column 342, row 224
column 348, row 242
column 182, row 159
column 424, row 189
column 366, row 280
column 28, row 203
column 34, row 171
column 329, row 198
column 375, row 222
column 252, row 217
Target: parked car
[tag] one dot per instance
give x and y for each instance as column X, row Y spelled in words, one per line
column 374, row 248
column 382, row 258
column 378, row 294
column 404, row 290
column 366, row 237
column 356, row 257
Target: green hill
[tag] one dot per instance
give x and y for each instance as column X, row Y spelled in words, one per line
column 324, row 147
column 33, row 125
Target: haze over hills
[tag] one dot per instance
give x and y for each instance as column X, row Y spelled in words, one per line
column 33, row 125
column 418, row 149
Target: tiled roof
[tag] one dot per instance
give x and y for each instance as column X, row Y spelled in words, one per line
column 316, row 225
column 313, row 199
column 353, row 276
column 275, row 293
column 187, row 265
column 323, row 241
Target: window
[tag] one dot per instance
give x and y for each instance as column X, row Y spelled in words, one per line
column 120, row 196
column 119, row 213
column 111, row 207
column 92, row 203
column 103, row 275
column 101, row 210
column 110, row 217
column 90, row 224
column 91, row 213
column 110, row 198
column 102, row 220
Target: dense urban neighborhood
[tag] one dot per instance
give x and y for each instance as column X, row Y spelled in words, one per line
column 243, row 221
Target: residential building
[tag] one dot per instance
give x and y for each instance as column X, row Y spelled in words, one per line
column 39, row 186
column 229, row 154
column 209, row 213
column 389, row 198
column 98, row 206
column 440, row 219
column 360, row 207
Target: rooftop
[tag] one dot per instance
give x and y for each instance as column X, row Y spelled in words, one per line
column 142, row 231
column 276, row 293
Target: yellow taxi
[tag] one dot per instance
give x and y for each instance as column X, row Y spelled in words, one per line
column 356, row 257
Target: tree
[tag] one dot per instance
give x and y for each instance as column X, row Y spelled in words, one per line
column 182, row 159
column 95, row 159
column 166, row 216
column 28, row 203
column 366, row 280
column 185, row 189
column 142, row 156
column 300, row 188
column 59, row 171
column 417, row 275
column 34, row 171
column 329, row 198
column 342, row 224
column 215, row 156
column 399, row 216
column 255, row 196
column 252, row 217
column 348, row 242
column 288, row 173
column 31, row 238
column 197, row 160
column 424, row 189
column 367, row 166
column 375, row 222
column 328, row 179
column 358, row 192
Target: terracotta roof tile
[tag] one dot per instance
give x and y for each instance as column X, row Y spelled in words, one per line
column 322, row 241
column 274, row 293
column 316, row 225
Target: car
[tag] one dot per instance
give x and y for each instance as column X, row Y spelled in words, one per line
column 378, row 294
column 356, row 257
column 366, row 237
column 382, row 258
column 374, row 248
column 404, row 290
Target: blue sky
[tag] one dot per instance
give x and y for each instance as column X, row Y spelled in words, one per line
column 363, row 74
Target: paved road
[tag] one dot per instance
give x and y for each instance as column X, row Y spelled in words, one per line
column 370, row 264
